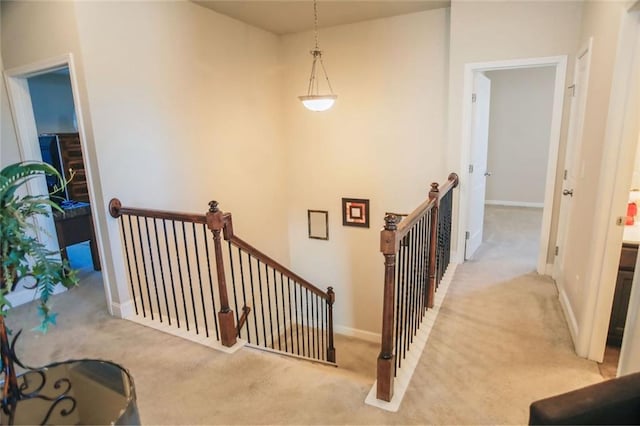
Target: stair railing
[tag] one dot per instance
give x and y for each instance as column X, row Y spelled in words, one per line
column 290, row 314
column 169, row 263
column 416, row 255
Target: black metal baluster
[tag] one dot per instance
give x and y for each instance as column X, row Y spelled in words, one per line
column 275, row 295
column 164, row 284
column 399, row 292
column 317, row 325
column 423, row 262
column 266, row 275
column 306, row 300
column 290, row 317
column 405, row 320
column 173, row 287
column 135, row 262
column 312, row 329
column 233, row 283
column 302, row 314
column 186, row 255
column 295, row 296
column 126, row 251
column 244, row 293
column 253, row 300
column 411, row 284
column 414, row 279
column 213, row 298
column 264, row 324
column 144, row 267
column 178, row 260
column 204, row 310
column 324, row 328
column 284, row 315
column 153, row 271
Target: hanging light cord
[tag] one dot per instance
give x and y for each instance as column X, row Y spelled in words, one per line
column 317, row 54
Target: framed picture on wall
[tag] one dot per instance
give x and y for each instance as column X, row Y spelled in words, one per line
column 355, row 212
column 318, row 224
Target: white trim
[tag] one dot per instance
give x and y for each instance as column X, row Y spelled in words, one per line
column 402, row 380
column 549, row 269
column 514, row 203
column 27, row 135
column 17, row 298
column 125, row 310
column 569, row 316
column 357, row 333
column 560, row 64
column 210, row 342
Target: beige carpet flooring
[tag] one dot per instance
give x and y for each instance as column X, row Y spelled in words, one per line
column 499, row 343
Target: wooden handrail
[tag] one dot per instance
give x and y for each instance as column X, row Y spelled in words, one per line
column 408, row 222
column 116, row 210
column 254, row 252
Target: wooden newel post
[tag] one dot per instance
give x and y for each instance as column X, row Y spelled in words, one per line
column 386, row 359
column 331, row 350
column 228, row 332
column 434, row 194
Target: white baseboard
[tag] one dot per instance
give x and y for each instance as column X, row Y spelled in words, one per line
column 188, row 335
column 403, row 378
column 513, row 203
column 24, row 296
column 124, row 310
column 569, row 316
column 358, row 334
column 549, row 269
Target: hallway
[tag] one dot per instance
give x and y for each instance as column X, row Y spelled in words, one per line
column 499, row 343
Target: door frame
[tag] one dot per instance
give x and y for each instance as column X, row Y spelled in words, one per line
column 575, row 129
column 560, row 64
column 27, row 138
column 621, row 139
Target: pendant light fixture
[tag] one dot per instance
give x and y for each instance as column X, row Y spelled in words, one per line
column 313, row 100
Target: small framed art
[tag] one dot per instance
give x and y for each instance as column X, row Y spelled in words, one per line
column 318, row 224
column 355, row 212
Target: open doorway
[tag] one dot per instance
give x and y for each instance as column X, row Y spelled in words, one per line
column 541, row 174
column 48, row 127
column 519, row 127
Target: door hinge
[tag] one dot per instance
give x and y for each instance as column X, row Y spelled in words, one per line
column 466, row 235
column 473, row 98
column 573, row 90
column 566, row 173
column 557, row 250
column 470, row 168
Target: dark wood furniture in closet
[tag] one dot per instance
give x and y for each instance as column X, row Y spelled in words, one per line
column 73, row 165
column 626, row 268
column 75, row 224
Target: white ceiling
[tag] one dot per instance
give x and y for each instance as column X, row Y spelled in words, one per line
column 292, row 16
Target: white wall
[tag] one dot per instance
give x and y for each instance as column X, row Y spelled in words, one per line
column 186, row 109
column 383, row 141
column 52, row 99
column 181, row 105
column 602, row 22
column 519, row 130
column 503, row 30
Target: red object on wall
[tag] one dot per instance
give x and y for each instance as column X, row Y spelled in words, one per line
column 632, row 211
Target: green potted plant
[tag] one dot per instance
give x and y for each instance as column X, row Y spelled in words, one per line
column 22, row 255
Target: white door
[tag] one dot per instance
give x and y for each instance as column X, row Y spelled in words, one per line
column 572, row 167
column 478, row 162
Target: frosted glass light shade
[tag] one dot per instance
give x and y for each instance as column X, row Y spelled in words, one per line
column 318, row 102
